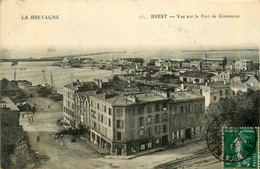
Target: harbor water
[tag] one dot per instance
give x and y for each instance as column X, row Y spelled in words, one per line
column 34, row 72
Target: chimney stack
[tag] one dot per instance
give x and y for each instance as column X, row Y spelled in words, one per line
column 182, row 86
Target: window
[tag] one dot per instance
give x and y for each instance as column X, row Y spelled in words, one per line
column 141, row 110
column 98, row 106
column 182, row 110
column 109, row 111
column 157, row 118
column 226, row 91
column 195, row 107
column 141, row 132
column 164, row 128
column 118, row 136
column 91, row 103
column 132, row 134
column 149, row 109
column 141, row 121
column 149, row 145
column 68, row 103
column 93, row 115
column 197, row 80
column 109, row 122
column 164, row 106
column 101, row 118
column 189, row 108
column 149, row 131
column 98, row 117
column 133, row 111
column 119, row 112
column 142, row 146
column 132, row 123
column 105, row 109
column 157, row 107
column 149, row 119
column 215, row 98
column 157, row 141
column 176, row 110
column 157, row 129
column 95, row 125
column 220, row 92
column 120, row 124
column 164, row 117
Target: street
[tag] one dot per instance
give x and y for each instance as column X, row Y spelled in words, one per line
column 64, row 154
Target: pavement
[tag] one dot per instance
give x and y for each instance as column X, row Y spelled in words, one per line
column 83, row 154
column 60, row 153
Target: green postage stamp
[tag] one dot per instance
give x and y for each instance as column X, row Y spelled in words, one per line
column 241, row 148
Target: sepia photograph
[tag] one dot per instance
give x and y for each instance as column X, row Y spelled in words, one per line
column 88, row 84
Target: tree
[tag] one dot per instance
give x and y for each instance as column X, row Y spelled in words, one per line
column 244, row 107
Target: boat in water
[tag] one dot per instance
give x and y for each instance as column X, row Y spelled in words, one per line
column 51, row 49
column 44, row 80
column 14, row 63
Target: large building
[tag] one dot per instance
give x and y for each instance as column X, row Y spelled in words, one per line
column 128, row 123
column 195, row 77
column 186, row 115
column 214, row 63
column 243, row 65
column 13, row 138
column 215, row 91
column 125, row 124
column 69, row 91
column 8, row 88
column 209, row 63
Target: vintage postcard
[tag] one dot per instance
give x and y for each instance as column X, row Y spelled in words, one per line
column 88, row 84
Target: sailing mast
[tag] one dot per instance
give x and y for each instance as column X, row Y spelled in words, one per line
column 45, row 83
column 52, row 82
column 15, row 73
column 53, row 87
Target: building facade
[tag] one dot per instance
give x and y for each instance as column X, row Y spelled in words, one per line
column 187, row 109
column 195, row 77
column 243, row 65
column 73, row 102
column 215, row 91
column 13, row 137
column 131, row 123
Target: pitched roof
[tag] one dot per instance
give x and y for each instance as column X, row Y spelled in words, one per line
column 185, row 95
column 82, row 86
column 8, row 103
column 253, row 83
column 128, row 99
column 6, row 85
column 11, row 135
column 196, row 74
column 217, row 84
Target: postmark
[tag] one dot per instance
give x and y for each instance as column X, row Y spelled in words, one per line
column 215, row 138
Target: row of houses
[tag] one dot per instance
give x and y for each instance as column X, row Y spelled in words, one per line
column 126, row 123
column 199, row 64
column 203, row 64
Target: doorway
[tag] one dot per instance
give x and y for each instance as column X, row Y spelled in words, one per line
column 188, row 133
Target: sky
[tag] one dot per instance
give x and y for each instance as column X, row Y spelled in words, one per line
column 117, row 24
